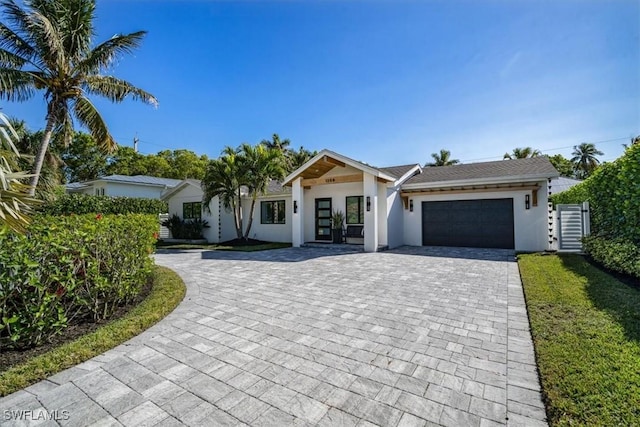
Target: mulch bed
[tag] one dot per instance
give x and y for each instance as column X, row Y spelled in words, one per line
column 9, row 358
column 243, row 242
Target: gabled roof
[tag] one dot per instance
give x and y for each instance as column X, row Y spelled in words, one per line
column 326, row 160
column 501, row 170
column 400, row 171
column 184, row 183
column 141, row 179
column 562, row 183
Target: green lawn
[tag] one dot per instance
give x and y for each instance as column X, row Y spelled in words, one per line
column 586, row 331
column 247, row 248
column 166, row 293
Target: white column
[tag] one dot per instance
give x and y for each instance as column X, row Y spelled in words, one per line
column 297, row 217
column 370, row 213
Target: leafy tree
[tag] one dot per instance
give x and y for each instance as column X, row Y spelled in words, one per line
column 584, row 159
column 126, row 161
column 522, row 153
column 185, row 164
column 47, row 48
column 442, row 159
column 83, row 159
column 295, row 159
column 177, row 164
column 223, row 179
column 562, row 165
column 15, row 202
column 259, row 165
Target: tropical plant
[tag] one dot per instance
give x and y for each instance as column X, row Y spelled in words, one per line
column 185, row 228
column 297, row 158
column 276, row 143
column 584, row 159
column 443, row 158
column 562, row 165
column 223, row 179
column 337, row 220
column 15, row 202
column 46, row 46
column 259, row 165
column 522, row 153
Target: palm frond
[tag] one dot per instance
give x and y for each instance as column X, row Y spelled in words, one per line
column 11, row 41
column 90, row 118
column 16, row 85
column 103, row 55
column 49, row 41
column 116, row 90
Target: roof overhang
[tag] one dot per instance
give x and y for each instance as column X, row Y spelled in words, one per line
column 170, row 192
column 475, row 182
column 325, row 161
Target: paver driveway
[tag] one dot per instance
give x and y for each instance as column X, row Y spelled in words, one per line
column 414, row 336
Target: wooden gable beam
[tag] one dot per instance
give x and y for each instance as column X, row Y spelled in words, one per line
column 332, row 180
column 333, row 161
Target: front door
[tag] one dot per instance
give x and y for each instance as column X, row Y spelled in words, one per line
column 323, row 219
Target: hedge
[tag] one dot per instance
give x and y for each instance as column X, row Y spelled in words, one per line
column 68, row 269
column 616, row 255
column 86, row 204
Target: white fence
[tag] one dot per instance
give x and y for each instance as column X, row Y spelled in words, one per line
column 571, row 224
column 164, row 231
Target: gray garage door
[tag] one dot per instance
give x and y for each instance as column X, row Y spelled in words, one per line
column 468, row 223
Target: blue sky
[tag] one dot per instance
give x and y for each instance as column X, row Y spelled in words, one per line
column 386, row 82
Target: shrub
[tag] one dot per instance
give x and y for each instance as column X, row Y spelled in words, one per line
column 69, row 269
column 185, row 229
column 85, row 204
column 616, row 255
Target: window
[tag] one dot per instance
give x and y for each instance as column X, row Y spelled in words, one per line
column 355, row 210
column 272, row 212
column 102, row 191
column 192, row 210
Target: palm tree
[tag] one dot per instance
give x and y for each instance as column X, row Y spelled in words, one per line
column 15, row 202
column 295, row 159
column 47, row 48
column 260, row 165
column 223, row 179
column 522, row 153
column 584, row 159
column 276, row 143
column 442, row 159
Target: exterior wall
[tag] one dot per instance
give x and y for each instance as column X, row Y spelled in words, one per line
column 338, row 194
column 269, row 232
column 226, row 224
column 115, row 189
column 395, row 218
column 530, row 225
column 383, row 222
column 192, row 194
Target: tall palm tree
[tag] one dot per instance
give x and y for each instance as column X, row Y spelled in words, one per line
column 584, row 159
column 224, row 178
column 295, row 159
column 260, row 165
column 443, row 158
column 522, row 153
column 46, row 46
column 277, row 143
column 15, row 202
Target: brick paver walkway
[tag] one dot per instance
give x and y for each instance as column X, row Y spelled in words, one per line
column 409, row 337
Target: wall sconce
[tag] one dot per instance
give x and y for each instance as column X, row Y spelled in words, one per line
column 410, row 205
column 527, row 201
column 368, row 203
column 295, row 206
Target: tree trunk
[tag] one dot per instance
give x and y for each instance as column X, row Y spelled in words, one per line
column 253, row 205
column 42, row 151
column 238, row 215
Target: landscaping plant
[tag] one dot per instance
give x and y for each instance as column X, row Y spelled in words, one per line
column 66, row 204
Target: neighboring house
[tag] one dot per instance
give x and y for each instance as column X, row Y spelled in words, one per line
column 501, row 204
column 148, row 187
column 562, row 183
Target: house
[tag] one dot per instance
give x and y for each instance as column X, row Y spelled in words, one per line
column 562, row 183
column 148, row 187
column 500, row 204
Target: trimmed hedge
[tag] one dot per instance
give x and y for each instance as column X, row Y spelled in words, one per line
column 68, row 269
column 85, row 204
column 613, row 192
column 616, row 255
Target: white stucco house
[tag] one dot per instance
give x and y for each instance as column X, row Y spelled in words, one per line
column 500, row 204
column 148, row 187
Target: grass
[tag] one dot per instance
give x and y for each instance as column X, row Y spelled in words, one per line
column 586, row 331
column 166, row 293
column 247, row 248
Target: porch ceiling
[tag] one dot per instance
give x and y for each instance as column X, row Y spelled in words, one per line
column 320, row 167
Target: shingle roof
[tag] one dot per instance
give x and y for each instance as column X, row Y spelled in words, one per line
column 276, row 187
column 562, row 183
column 534, row 167
column 398, row 171
column 142, row 179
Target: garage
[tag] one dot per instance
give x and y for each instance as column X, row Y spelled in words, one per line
column 486, row 223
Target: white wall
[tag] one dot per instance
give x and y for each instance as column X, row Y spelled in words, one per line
column 395, row 215
column 269, row 232
column 338, row 194
column 116, row 189
column 530, row 225
column 190, row 194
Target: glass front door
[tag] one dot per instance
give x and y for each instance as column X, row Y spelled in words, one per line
column 323, row 219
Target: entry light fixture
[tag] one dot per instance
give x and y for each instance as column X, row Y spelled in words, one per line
column 410, row 205
column 527, row 201
column 368, row 203
column 295, row 206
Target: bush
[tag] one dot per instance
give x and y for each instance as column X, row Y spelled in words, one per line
column 85, row 204
column 185, row 229
column 616, row 255
column 69, row 269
